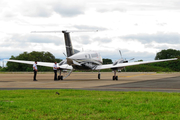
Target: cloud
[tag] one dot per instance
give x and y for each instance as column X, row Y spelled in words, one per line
column 35, row 9
column 18, row 40
column 138, row 18
column 18, row 43
column 137, row 5
column 127, row 54
column 102, row 40
column 44, row 9
column 8, row 14
column 86, row 27
column 161, row 46
column 160, row 37
column 161, row 24
column 24, row 8
column 34, row 38
column 81, row 40
column 68, row 10
column 104, row 10
column 6, row 55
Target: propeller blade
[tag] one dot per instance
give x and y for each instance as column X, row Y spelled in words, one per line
column 120, row 54
column 131, row 59
column 64, row 54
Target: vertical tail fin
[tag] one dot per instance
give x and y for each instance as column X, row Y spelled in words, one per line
column 69, row 48
column 68, row 44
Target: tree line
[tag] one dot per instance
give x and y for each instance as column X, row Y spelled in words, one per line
column 32, row 56
column 168, row 66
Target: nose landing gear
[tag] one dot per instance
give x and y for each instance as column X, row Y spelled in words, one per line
column 65, row 73
column 60, row 77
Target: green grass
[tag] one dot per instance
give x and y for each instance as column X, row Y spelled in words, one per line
column 82, row 104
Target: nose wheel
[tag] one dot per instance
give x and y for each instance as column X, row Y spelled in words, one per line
column 60, row 77
column 64, row 74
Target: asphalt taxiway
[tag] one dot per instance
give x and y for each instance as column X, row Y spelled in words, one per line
column 127, row 81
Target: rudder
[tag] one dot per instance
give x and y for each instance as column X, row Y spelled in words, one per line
column 68, row 43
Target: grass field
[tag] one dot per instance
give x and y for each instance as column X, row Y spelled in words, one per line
column 82, row 104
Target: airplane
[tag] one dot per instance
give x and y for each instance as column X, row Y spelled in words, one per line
column 84, row 60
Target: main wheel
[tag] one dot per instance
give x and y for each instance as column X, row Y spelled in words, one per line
column 99, row 76
column 116, row 78
column 61, row 77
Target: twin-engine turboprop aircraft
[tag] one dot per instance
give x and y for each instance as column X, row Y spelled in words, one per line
column 84, row 60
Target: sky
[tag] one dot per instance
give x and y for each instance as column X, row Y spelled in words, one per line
column 139, row 28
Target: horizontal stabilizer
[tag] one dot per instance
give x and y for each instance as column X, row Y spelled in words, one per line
column 64, row 31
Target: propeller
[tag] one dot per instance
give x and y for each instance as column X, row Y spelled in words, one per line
column 64, row 54
column 131, row 59
column 120, row 54
column 122, row 60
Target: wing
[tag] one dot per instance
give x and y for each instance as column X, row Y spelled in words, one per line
column 120, row 65
column 46, row 64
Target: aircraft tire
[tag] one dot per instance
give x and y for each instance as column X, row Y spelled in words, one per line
column 116, row 78
column 99, row 76
column 61, row 77
column 113, row 77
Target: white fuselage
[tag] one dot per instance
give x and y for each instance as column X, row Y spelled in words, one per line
column 85, row 60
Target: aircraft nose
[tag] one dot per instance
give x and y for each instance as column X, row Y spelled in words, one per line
column 69, row 61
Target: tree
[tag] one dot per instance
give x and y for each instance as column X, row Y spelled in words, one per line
column 107, row 61
column 166, row 54
column 139, row 61
column 32, row 56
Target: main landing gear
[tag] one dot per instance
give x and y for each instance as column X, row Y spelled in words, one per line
column 60, row 77
column 99, row 75
column 115, row 77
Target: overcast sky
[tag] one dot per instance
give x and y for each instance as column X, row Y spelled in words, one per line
column 139, row 28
